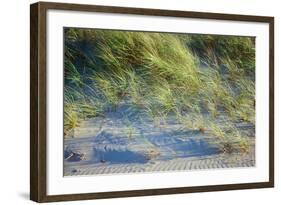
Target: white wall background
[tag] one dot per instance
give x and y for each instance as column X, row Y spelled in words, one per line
column 14, row 101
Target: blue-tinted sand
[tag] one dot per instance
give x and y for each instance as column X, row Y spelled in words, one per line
column 127, row 141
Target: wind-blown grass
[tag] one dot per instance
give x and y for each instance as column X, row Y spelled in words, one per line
column 161, row 74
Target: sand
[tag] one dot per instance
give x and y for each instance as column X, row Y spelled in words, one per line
column 123, row 143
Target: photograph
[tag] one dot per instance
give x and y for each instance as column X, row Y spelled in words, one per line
column 139, row 102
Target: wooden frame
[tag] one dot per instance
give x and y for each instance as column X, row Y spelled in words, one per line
column 38, row 104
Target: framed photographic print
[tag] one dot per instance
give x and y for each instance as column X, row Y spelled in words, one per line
column 134, row 102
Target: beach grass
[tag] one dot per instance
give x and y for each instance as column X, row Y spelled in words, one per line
column 191, row 76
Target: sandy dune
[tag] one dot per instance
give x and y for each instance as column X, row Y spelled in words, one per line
column 177, row 164
column 112, row 145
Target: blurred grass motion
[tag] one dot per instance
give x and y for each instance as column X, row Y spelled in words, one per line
column 191, row 76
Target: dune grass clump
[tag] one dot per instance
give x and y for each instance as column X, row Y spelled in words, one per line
column 196, row 78
column 194, row 122
column 71, row 122
column 215, row 49
column 229, row 138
